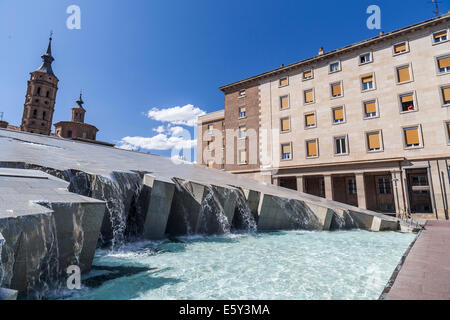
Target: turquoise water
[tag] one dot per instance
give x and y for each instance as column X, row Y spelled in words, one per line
column 281, row 265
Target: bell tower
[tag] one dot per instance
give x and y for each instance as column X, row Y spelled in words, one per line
column 40, row 97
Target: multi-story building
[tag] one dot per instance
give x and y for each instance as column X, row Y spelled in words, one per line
column 367, row 124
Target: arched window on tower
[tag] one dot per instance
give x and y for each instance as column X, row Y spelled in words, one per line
column 39, row 91
column 48, row 94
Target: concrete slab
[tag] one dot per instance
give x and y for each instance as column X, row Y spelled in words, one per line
column 160, row 197
column 424, row 273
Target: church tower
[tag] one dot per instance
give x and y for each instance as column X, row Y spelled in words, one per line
column 40, row 98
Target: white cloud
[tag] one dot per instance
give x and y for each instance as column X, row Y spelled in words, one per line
column 185, row 115
column 158, row 142
column 159, row 129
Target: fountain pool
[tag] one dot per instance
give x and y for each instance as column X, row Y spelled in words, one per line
column 280, row 265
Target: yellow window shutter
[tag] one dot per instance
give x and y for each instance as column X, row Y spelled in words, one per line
column 310, row 119
column 286, row 148
column 407, row 98
column 284, row 82
column 309, row 96
column 400, row 47
column 370, row 107
column 448, row 130
column 307, row 74
column 403, row 74
column 367, row 79
column 412, row 136
column 338, row 113
column 446, row 94
column 440, row 34
column 444, row 62
column 336, row 89
column 374, row 140
column 284, row 102
column 285, row 125
column 312, row 148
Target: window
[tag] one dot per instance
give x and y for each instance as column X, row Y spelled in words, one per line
column 284, row 82
column 335, row 67
column 210, row 129
column 365, row 58
column 242, row 112
column 307, row 75
column 374, row 141
column 340, row 145
column 384, row 185
column 336, row 89
column 445, row 91
column 443, row 64
column 210, row 163
column 286, row 151
column 284, row 102
column 311, row 148
column 48, row 94
column 370, row 109
column 403, row 74
column 34, row 114
column 39, row 91
column 351, row 186
column 308, row 96
column 367, row 82
column 447, row 127
column 407, row 102
column 242, row 132
column 241, row 93
column 412, row 137
column 285, row 124
column 338, row 115
column 44, row 114
column 310, row 120
column 242, row 156
column 69, row 134
column 440, row 36
column 400, row 48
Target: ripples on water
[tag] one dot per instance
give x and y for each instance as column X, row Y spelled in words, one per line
column 279, row 265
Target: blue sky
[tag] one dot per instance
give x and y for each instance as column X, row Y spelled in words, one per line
column 130, row 57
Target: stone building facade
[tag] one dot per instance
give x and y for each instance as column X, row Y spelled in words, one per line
column 367, row 124
column 40, row 97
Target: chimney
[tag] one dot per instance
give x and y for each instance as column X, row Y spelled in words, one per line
column 381, row 33
column 282, row 65
column 321, row 52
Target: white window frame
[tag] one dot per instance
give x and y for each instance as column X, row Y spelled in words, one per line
column 400, row 53
column 239, row 157
column 304, row 96
column 332, row 63
column 377, row 114
column 437, row 65
column 242, row 134
column 282, row 154
column 380, row 132
column 240, row 113
column 441, row 93
column 419, row 130
column 332, row 115
column 345, row 138
column 411, row 73
column 434, row 43
column 281, row 124
column 374, row 85
column 242, row 93
column 312, row 75
column 285, row 85
column 341, row 82
column 416, row 106
column 370, row 54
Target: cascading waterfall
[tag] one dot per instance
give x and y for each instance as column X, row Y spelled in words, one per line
column 213, row 212
column 181, row 187
column 244, row 219
column 299, row 214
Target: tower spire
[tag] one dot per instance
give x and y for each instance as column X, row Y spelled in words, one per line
column 47, row 58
